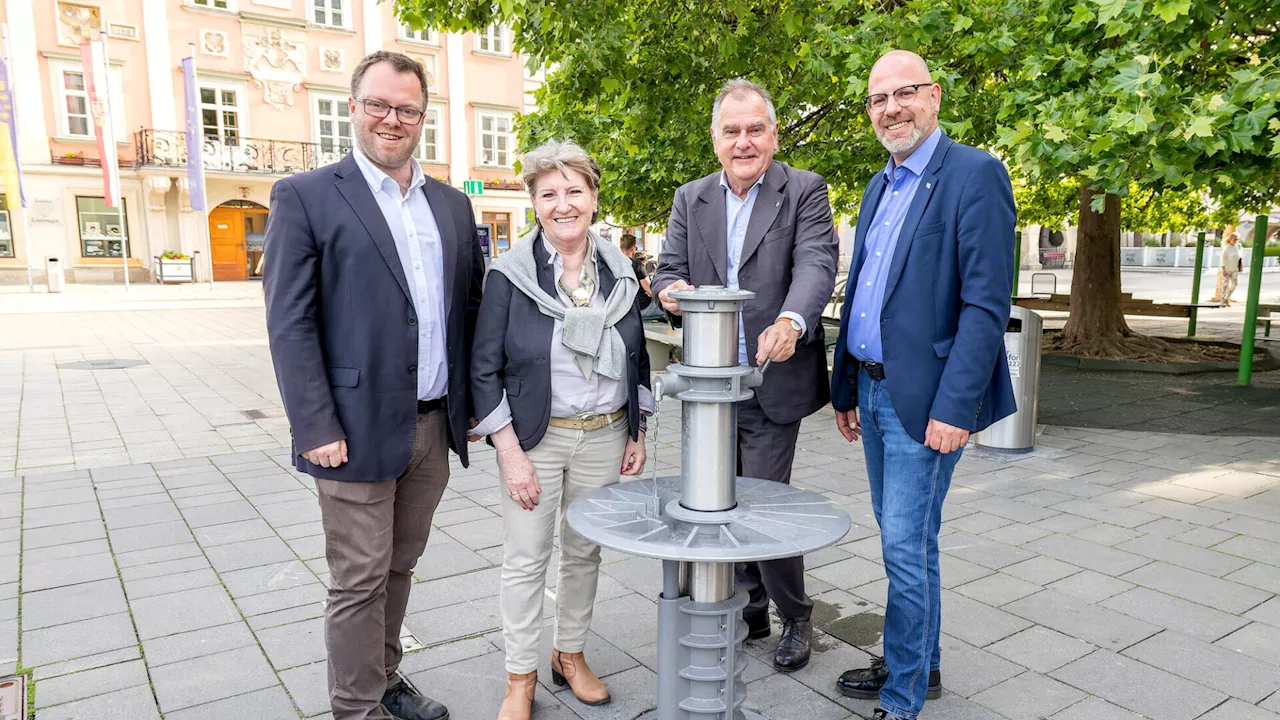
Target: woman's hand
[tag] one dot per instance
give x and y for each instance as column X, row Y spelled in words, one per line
column 633, row 456
column 520, row 478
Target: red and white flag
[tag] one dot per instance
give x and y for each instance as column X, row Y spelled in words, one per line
column 93, row 55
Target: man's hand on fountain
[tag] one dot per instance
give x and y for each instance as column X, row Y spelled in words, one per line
column 633, row 456
column 848, row 425
column 520, row 478
column 669, row 303
column 777, row 342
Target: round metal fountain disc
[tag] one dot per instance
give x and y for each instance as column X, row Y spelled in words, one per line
column 770, row 521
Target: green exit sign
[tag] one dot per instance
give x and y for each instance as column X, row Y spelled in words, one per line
column 473, row 187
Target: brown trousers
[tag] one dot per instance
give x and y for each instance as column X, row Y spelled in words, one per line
column 374, row 533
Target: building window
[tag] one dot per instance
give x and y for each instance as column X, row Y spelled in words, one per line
column 75, row 104
column 101, row 233
column 425, row 35
column 220, row 115
column 215, row 4
column 492, row 39
column 6, row 234
column 499, row 231
column 330, row 12
column 429, row 146
column 496, row 139
column 333, row 125
column 71, row 96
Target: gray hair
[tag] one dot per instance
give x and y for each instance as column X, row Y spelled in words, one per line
column 561, row 156
column 738, row 87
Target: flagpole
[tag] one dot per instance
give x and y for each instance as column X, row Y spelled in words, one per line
column 204, row 194
column 110, row 146
column 26, row 221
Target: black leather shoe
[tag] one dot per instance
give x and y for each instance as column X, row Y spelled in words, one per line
column 757, row 626
column 402, row 701
column 793, row 646
column 865, row 683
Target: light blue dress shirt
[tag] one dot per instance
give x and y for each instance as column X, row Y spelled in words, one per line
column 900, row 182
column 417, row 237
column 737, row 215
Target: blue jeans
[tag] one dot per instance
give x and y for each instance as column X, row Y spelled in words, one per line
column 908, row 484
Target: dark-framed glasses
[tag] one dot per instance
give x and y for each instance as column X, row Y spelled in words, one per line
column 903, row 96
column 379, row 109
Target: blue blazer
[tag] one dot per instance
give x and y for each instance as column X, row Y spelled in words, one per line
column 946, row 301
column 342, row 324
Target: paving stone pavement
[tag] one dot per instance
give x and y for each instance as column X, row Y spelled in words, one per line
column 1108, row 574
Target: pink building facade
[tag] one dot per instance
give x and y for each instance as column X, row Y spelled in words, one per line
column 273, row 78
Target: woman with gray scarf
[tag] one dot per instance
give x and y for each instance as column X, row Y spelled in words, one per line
column 560, row 380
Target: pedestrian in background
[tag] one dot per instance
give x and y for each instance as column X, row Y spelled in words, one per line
column 1232, row 265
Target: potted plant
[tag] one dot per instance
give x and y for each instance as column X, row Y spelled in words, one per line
column 174, row 266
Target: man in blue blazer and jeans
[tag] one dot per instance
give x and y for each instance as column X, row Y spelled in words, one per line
column 920, row 364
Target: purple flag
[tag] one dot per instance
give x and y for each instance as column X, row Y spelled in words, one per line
column 195, row 155
column 10, row 167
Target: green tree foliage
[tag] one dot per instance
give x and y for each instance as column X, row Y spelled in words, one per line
column 1172, row 96
column 633, row 82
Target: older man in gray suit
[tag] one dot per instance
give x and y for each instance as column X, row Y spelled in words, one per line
column 762, row 226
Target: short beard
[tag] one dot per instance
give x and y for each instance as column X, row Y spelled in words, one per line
column 906, row 143
column 368, row 144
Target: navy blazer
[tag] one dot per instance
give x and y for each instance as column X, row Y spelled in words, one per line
column 342, row 324
column 946, row 301
column 512, row 352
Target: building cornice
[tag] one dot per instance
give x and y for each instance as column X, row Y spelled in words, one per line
column 74, row 57
column 275, row 20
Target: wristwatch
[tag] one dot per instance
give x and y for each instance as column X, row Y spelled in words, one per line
column 796, row 326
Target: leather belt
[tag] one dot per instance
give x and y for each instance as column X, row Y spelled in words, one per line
column 586, row 421
column 874, row 370
column 426, row 406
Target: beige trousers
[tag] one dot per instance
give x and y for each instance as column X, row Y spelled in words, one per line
column 569, row 463
column 1229, row 280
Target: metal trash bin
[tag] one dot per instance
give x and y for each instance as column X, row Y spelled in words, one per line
column 54, row 277
column 1022, row 342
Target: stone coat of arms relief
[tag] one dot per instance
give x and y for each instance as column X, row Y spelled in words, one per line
column 277, row 61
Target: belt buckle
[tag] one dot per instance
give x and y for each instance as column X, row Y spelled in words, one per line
column 588, row 420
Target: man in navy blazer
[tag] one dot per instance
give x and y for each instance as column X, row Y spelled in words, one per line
column 920, row 363
column 373, row 284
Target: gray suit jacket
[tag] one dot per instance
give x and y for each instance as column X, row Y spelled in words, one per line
column 788, row 261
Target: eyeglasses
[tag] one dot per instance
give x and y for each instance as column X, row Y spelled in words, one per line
column 903, row 95
column 378, row 109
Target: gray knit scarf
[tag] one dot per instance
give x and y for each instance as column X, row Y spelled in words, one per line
column 584, row 327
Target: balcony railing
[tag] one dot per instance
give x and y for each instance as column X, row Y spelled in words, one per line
column 168, row 148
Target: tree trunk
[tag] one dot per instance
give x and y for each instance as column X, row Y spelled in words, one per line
column 1096, row 327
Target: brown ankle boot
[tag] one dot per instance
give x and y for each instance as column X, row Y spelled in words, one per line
column 571, row 669
column 517, row 704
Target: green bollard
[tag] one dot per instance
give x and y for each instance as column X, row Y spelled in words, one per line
column 1195, row 283
column 1017, row 258
column 1251, row 303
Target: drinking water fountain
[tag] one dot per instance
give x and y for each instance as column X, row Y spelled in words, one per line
column 704, row 521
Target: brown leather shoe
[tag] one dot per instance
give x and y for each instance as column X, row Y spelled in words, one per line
column 571, row 669
column 517, row 704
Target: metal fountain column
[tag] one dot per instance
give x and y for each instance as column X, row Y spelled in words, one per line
column 704, row 521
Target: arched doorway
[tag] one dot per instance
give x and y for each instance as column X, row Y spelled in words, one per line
column 237, row 231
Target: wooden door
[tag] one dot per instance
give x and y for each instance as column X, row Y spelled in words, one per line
column 226, row 241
